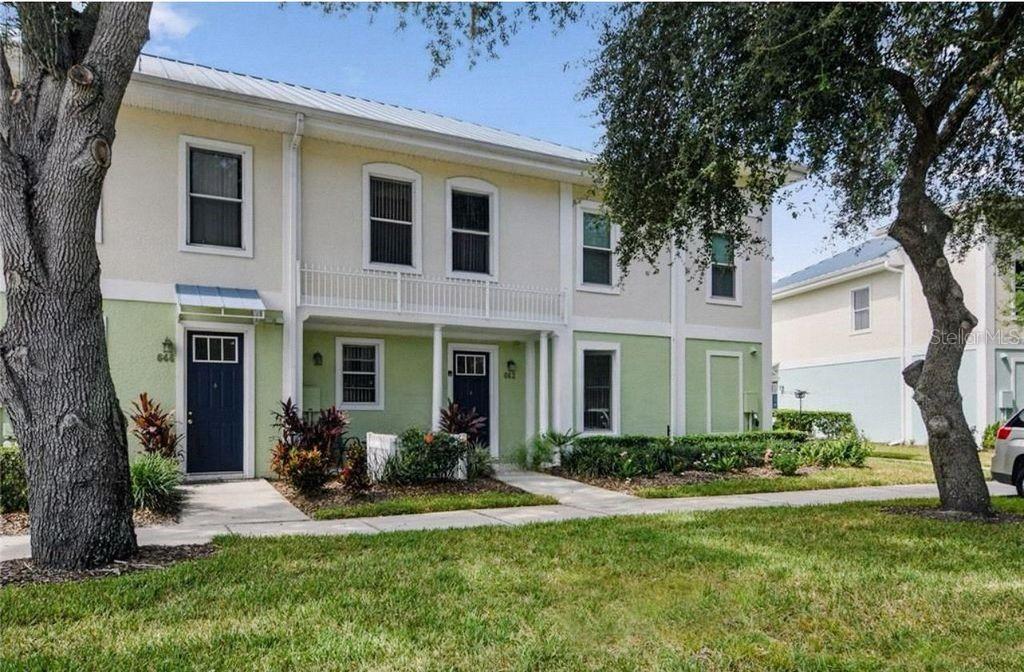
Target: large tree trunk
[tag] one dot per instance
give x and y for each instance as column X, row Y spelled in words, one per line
column 922, row 229
column 58, row 128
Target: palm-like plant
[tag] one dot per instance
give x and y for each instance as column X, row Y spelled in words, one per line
column 458, row 420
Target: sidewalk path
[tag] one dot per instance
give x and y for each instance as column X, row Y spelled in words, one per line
column 254, row 508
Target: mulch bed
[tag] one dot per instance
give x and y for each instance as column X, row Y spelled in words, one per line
column 933, row 513
column 334, row 495
column 24, row 572
column 16, row 522
column 630, row 486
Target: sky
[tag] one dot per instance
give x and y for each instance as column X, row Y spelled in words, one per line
column 532, row 89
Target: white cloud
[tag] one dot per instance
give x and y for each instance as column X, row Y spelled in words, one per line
column 167, row 22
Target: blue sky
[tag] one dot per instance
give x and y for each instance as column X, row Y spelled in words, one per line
column 532, row 89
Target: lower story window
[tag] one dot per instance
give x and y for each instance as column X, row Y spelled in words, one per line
column 360, row 375
column 598, row 390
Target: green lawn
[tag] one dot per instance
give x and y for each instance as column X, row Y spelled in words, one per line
column 845, row 587
column 877, row 471
column 430, row 503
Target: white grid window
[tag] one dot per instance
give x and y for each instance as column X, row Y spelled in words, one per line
column 360, row 374
column 860, row 303
column 470, row 365
column 215, row 349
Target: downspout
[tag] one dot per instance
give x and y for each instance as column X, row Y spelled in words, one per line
column 905, row 398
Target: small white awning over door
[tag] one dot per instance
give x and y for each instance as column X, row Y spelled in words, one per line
column 227, row 301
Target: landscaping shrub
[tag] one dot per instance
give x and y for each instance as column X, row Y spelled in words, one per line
column 458, row 420
column 830, row 424
column 307, row 453
column 479, row 463
column 786, row 462
column 355, row 472
column 13, row 482
column 988, row 438
column 153, row 428
column 156, row 483
column 425, row 457
column 848, row 451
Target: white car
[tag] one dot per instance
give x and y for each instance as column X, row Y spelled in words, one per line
column 1008, row 461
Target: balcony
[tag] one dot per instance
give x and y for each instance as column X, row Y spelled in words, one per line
column 414, row 294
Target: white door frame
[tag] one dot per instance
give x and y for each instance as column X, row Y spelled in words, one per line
column 492, row 417
column 248, row 332
column 707, row 383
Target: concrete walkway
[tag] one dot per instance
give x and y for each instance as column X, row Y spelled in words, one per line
column 255, row 509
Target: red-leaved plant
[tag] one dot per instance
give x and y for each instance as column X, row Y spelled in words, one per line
column 456, row 419
column 154, row 428
column 306, row 452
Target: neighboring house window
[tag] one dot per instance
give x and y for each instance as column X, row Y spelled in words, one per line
column 598, row 381
column 391, row 216
column 217, row 197
column 597, row 237
column 472, row 227
column 860, row 300
column 360, row 374
column 1018, row 288
column 723, row 268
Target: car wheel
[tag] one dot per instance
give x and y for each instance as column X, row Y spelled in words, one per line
column 1020, row 482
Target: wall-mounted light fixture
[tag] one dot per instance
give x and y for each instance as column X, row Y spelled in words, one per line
column 167, row 352
column 510, row 369
column 318, row 359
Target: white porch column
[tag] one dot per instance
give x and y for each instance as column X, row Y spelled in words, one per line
column 543, row 387
column 291, row 171
column 531, row 389
column 437, row 396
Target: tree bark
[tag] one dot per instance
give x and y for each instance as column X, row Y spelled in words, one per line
column 922, row 228
column 54, row 373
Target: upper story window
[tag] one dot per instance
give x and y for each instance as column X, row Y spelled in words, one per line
column 724, row 281
column 216, row 207
column 391, row 217
column 860, row 304
column 597, row 237
column 1018, row 287
column 472, row 219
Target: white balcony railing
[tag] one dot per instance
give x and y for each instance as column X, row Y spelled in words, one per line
column 395, row 292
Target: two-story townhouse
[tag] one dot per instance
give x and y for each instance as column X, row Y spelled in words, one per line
column 845, row 328
column 262, row 241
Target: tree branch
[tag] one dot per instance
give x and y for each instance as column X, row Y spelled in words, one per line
column 911, row 100
column 6, row 92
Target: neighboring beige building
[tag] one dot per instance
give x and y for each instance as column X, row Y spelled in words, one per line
column 845, row 328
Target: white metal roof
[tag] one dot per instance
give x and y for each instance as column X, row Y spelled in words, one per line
column 223, row 298
column 336, row 103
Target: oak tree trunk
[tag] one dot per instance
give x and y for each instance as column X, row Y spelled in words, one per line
column 57, row 122
column 922, row 229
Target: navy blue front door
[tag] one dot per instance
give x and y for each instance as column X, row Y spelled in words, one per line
column 471, row 385
column 215, row 402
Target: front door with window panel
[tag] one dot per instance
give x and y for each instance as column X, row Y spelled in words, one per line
column 215, row 412
column 471, row 385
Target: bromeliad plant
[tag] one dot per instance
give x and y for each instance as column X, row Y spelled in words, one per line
column 154, row 428
column 307, row 452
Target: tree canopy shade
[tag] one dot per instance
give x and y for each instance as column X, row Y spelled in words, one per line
column 909, row 112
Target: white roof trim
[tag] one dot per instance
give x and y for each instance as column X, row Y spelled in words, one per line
column 842, row 275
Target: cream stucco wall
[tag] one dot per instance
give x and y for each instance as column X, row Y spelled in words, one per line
column 141, row 201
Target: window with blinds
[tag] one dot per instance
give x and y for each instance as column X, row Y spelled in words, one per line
column 597, row 250
column 391, row 221
column 597, row 390
column 860, row 300
column 723, row 268
column 215, row 198
column 471, row 232
column 359, row 371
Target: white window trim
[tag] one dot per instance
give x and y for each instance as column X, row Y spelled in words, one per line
column 185, row 142
column 616, row 350
column 737, row 300
column 854, row 331
column 393, row 171
column 339, row 345
column 472, row 185
column 214, row 361
column 248, row 332
column 593, row 207
column 707, row 388
column 494, row 414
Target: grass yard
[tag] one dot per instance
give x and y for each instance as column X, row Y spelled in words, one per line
column 877, row 471
column 847, row 587
column 431, row 503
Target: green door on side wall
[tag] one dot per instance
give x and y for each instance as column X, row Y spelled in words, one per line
column 724, row 394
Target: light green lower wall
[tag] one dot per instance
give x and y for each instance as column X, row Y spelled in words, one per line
column 697, row 380
column 645, row 367
column 408, row 367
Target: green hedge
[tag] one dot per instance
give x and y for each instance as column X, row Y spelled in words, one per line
column 831, row 424
column 13, row 483
column 633, row 456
